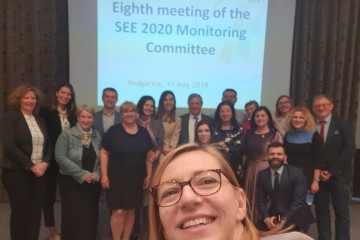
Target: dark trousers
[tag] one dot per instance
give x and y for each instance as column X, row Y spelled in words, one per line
column 79, row 209
column 25, row 192
column 339, row 193
column 51, row 182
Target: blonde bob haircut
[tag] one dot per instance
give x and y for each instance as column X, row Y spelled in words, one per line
column 86, row 108
column 310, row 124
column 14, row 99
column 156, row 228
column 126, row 106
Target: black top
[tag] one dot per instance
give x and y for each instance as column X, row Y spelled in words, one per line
column 126, row 165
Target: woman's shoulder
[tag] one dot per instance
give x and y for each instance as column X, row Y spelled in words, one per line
column 288, row 236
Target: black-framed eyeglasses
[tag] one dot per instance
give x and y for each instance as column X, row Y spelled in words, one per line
column 203, row 183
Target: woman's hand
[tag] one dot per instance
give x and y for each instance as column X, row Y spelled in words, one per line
column 39, row 169
column 91, row 178
column 105, row 183
column 150, row 156
column 146, row 182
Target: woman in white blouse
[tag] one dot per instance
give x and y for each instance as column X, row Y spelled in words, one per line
column 26, row 156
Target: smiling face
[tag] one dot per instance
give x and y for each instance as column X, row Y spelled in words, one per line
column 148, row 108
column 129, row 115
column 28, row 103
column 195, row 106
column 322, row 108
column 217, row 216
column 261, row 118
column 109, row 99
column 276, row 157
column 284, row 105
column 169, row 102
column 298, row 120
column 249, row 110
column 63, row 96
column 225, row 113
column 203, row 134
column 85, row 120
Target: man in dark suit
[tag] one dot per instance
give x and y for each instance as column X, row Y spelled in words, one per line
column 189, row 120
column 285, row 186
column 108, row 116
column 336, row 173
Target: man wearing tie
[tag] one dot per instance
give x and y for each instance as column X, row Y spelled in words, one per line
column 190, row 120
column 285, row 186
column 336, row 173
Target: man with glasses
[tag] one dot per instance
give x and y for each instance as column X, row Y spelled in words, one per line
column 336, row 173
column 285, row 186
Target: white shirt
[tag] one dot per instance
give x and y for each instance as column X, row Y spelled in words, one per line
column 192, row 127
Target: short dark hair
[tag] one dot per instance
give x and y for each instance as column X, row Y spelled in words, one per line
column 109, row 89
column 229, row 90
column 141, row 103
column 276, row 145
column 194, row 95
column 252, row 102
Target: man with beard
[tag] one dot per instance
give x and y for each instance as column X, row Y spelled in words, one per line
column 285, row 186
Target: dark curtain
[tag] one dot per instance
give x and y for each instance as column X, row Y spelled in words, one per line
column 326, row 53
column 33, row 44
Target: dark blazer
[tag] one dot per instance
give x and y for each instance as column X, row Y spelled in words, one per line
column 17, row 141
column 291, row 199
column 53, row 123
column 98, row 121
column 184, row 133
column 339, row 149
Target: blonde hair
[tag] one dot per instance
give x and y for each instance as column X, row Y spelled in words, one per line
column 126, row 106
column 86, row 108
column 14, row 99
column 156, row 227
column 310, row 124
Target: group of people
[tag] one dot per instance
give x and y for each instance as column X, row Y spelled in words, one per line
column 256, row 156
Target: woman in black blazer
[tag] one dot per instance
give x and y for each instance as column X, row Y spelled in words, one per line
column 27, row 152
column 61, row 115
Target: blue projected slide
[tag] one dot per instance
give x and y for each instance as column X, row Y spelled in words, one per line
column 147, row 47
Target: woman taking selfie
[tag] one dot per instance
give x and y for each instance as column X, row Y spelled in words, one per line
column 195, row 195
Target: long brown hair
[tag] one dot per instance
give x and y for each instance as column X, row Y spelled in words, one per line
column 161, row 110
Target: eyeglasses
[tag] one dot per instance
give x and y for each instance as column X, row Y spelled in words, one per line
column 324, row 105
column 203, row 183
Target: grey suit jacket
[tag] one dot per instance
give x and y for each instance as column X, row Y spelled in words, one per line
column 98, row 121
column 184, row 133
